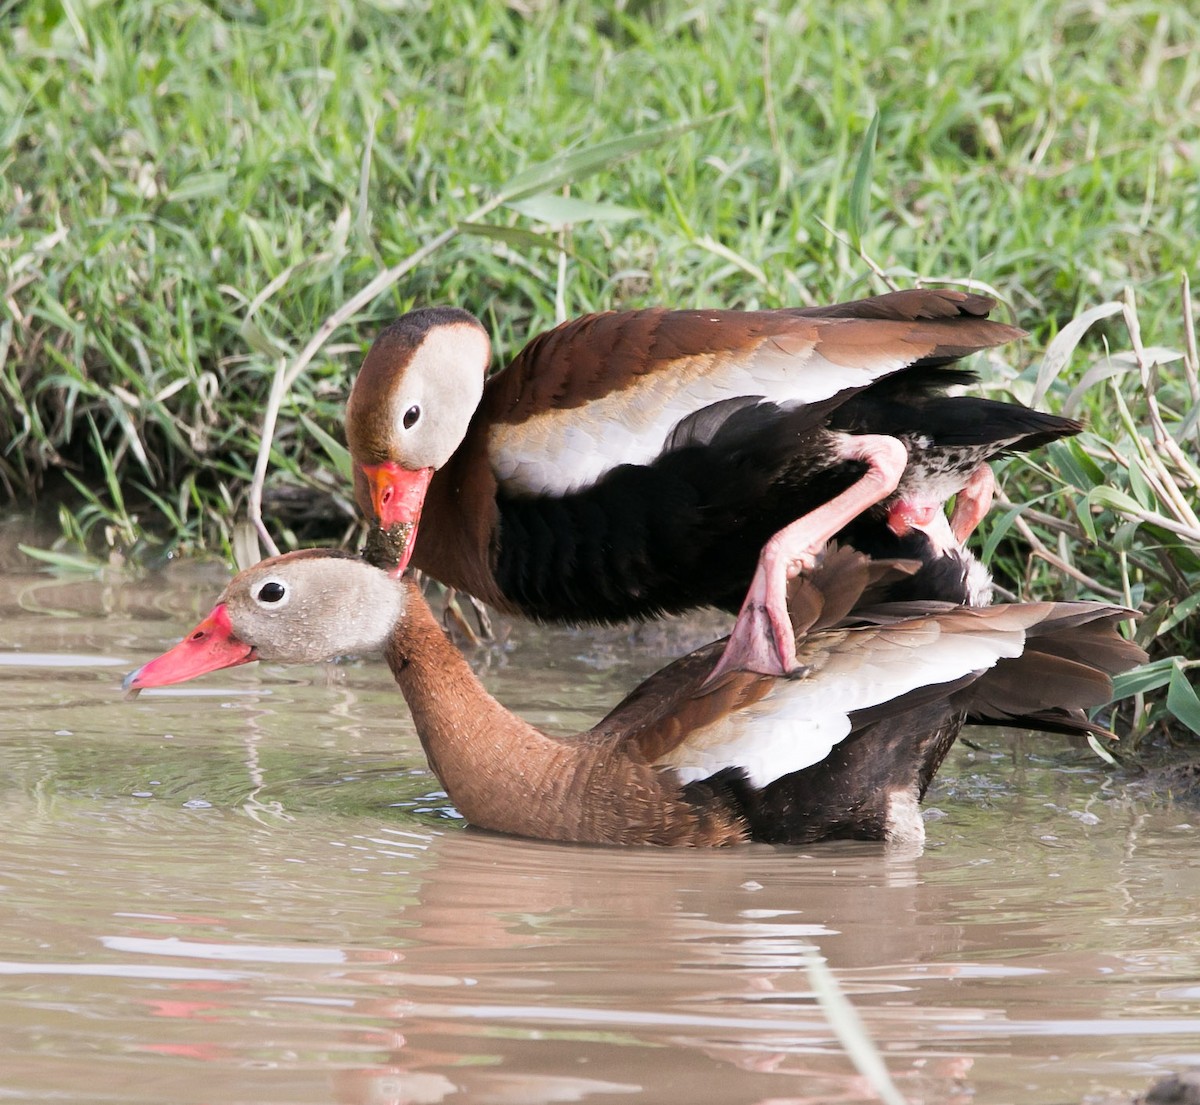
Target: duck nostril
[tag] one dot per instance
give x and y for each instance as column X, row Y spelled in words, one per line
column 385, row 496
column 199, row 635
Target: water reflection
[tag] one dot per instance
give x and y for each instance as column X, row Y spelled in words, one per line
column 231, row 897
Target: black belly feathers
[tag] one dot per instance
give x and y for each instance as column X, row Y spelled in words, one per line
column 665, row 537
column 687, row 529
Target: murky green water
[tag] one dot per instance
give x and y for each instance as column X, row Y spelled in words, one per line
column 252, row 890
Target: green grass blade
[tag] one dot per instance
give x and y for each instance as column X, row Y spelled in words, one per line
column 1182, row 700
column 1146, row 677
column 1180, row 612
column 64, row 562
column 516, row 236
column 567, row 168
column 999, row 530
column 1059, row 351
column 1100, row 750
column 860, row 189
column 338, row 454
column 559, row 211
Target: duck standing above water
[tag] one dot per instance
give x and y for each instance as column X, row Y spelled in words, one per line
column 844, row 748
column 630, row 464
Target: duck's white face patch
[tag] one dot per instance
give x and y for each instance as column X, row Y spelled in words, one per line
column 799, row 722
column 559, row 451
column 432, row 404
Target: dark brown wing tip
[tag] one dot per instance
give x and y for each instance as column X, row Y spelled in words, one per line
column 843, row 579
column 911, row 305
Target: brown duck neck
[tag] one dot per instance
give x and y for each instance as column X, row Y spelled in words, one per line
column 504, row 774
column 499, row 770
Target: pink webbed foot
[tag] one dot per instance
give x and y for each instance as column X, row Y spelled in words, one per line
column 762, row 640
column 973, row 502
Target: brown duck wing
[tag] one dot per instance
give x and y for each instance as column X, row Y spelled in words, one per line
column 1066, row 668
column 907, row 305
column 605, row 390
column 1071, row 652
column 768, row 727
column 843, row 579
column 672, row 703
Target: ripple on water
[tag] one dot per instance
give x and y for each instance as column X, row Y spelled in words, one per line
column 227, row 895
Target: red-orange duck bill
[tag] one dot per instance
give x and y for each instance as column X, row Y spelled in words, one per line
column 397, row 495
column 211, row 646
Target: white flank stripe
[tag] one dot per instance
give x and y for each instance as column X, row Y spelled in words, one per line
column 797, row 724
column 557, row 452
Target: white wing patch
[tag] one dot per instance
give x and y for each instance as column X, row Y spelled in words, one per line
column 557, row 452
column 799, row 722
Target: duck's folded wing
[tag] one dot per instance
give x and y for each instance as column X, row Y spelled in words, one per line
column 843, row 580
column 658, row 714
column 1065, row 670
column 610, row 389
column 767, row 728
column 1071, row 652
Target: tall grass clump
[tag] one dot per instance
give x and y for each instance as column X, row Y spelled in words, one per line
column 208, row 209
column 1113, row 513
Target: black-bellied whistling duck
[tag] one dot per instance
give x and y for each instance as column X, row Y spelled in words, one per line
column 845, row 748
column 631, row 464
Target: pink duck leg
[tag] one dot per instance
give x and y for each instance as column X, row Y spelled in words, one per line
column 919, row 508
column 762, row 639
column 973, row 502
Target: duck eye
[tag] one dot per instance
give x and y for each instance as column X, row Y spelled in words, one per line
column 270, row 592
column 410, row 416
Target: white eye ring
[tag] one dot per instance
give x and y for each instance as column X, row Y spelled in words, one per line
column 271, row 594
